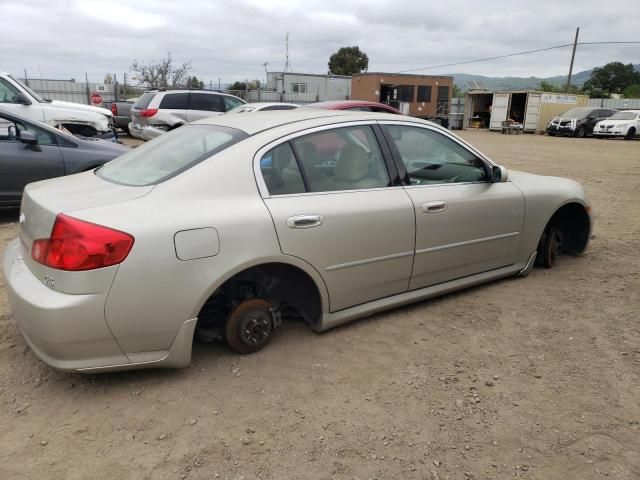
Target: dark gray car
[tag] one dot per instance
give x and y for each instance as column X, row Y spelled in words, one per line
column 32, row 151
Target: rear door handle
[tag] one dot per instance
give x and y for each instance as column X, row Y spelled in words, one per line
column 305, row 221
column 434, row 207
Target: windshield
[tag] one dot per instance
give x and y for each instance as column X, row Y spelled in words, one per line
column 169, row 155
column 623, row 116
column 33, row 94
column 577, row 112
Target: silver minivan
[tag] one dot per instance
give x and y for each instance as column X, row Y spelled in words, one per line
column 160, row 111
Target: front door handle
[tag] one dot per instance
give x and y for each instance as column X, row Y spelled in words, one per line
column 434, row 207
column 305, row 221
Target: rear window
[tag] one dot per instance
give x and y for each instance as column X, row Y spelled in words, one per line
column 169, row 155
column 144, row 101
column 175, row 101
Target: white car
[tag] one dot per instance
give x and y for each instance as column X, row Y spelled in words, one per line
column 622, row 124
column 85, row 120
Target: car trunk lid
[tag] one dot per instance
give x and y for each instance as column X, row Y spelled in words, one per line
column 43, row 201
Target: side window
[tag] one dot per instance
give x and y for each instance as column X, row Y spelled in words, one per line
column 231, row 102
column 174, row 101
column 280, row 171
column 342, row 159
column 431, row 157
column 206, row 101
column 8, row 93
column 10, row 132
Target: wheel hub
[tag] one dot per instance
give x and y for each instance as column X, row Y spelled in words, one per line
column 256, row 327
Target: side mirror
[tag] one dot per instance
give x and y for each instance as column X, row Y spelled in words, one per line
column 22, row 99
column 499, row 174
column 28, row 137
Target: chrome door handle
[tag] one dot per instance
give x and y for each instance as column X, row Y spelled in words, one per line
column 434, row 207
column 305, row 221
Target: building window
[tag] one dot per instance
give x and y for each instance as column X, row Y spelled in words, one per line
column 299, row 87
column 406, row 93
column 424, row 93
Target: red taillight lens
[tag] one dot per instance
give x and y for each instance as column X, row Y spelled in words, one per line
column 78, row 245
column 148, row 112
column 114, row 109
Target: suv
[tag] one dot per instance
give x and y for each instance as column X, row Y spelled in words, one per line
column 159, row 111
column 578, row 122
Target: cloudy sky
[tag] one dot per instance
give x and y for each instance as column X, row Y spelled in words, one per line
column 232, row 40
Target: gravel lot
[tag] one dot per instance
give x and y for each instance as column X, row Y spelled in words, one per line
column 536, row 378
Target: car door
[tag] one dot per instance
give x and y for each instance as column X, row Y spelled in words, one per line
column 334, row 206
column 203, row 105
column 21, row 163
column 174, row 107
column 464, row 223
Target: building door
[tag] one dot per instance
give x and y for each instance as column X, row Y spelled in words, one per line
column 443, row 101
column 532, row 111
column 499, row 110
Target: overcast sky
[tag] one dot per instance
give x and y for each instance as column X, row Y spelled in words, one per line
column 232, row 40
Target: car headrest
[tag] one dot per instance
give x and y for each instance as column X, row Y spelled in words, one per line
column 353, row 163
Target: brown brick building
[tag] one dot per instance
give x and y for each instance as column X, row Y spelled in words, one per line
column 416, row 95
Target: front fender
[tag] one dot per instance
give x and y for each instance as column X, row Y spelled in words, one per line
column 543, row 197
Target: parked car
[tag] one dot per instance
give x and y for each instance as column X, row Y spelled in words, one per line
column 621, row 124
column 32, row 151
column 192, row 233
column 85, row 120
column 263, row 107
column 159, row 111
column 578, row 122
column 121, row 112
column 355, row 105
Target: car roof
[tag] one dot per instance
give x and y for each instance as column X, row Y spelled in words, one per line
column 252, row 124
column 345, row 103
column 188, row 90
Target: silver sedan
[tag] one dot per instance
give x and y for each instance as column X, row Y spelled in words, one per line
column 220, row 228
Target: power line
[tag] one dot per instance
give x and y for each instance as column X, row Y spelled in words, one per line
column 516, row 54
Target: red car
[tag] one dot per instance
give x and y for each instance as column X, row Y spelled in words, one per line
column 360, row 105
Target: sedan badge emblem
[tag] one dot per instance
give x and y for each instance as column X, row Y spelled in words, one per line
column 22, row 218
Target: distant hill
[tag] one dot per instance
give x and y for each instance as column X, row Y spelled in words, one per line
column 521, row 83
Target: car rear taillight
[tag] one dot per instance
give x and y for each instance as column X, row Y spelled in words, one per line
column 77, row 245
column 114, row 109
column 148, row 112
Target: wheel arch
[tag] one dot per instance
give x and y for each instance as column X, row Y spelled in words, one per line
column 574, row 219
column 291, row 266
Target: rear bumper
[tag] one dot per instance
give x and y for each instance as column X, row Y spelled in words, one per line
column 70, row 333
column 67, row 332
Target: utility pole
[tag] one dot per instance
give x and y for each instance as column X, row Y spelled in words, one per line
column 26, row 79
column 287, row 65
column 86, row 79
column 573, row 55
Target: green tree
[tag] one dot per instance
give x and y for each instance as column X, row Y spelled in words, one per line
column 457, row 92
column 552, row 87
column 347, row 61
column 632, row 91
column 614, row 77
column 252, row 85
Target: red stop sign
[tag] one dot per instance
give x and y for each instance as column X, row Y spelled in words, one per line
column 96, row 98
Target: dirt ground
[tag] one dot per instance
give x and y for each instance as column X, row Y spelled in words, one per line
column 535, row 377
